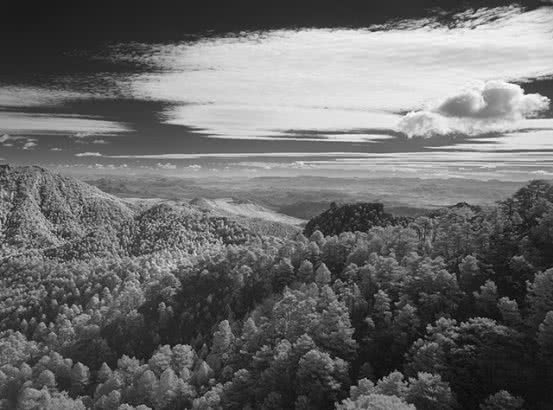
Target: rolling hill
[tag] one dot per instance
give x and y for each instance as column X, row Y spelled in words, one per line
column 40, row 209
column 65, row 218
column 257, row 218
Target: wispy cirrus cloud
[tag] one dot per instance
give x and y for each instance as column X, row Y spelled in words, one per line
column 31, row 96
column 88, row 154
column 228, row 155
column 29, row 123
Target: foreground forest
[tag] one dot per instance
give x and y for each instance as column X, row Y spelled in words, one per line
column 106, row 306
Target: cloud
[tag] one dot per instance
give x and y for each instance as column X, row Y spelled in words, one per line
column 166, row 165
column 83, row 138
column 109, row 166
column 336, row 79
column 235, row 155
column 33, row 123
column 542, row 173
column 26, row 143
column 490, row 106
column 4, row 139
column 82, row 135
column 88, row 154
column 13, row 96
column 55, row 149
column 495, row 100
column 30, row 144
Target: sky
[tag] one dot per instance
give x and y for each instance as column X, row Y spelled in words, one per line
column 463, row 90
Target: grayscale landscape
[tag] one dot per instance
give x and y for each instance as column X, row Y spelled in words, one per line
column 289, row 205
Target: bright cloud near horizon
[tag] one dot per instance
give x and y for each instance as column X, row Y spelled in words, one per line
column 491, row 106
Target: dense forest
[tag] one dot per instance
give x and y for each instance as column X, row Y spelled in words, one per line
column 106, row 306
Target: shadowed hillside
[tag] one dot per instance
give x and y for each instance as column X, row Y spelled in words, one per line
column 350, row 218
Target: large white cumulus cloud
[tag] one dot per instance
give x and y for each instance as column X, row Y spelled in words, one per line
column 490, row 106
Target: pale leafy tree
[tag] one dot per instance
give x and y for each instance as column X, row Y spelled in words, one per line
column 359, row 256
column 405, row 325
column 183, row 357
column 469, row 272
column 284, row 273
column 104, row 373
column 25, row 371
column 317, row 237
column 112, row 401
column 249, row 337
column 520, row 267
column 46, row 379
column 509, row 311
column 222, row 341
column 79, row 378
column 322, row 275
column 63, row 402
column 30, row 398
column 211, row 400
column 486, row 298
column 545, row 338
column 168, row 388
column 502, row 400
column 114, row 383
column 202, row 374
column 33, row 399
column 129, row 407
column 382, row 313
column 364, row 387
column 475, row 346
column 147, row 388
column 313, row 252
column 375, row 402
column 320, row 377
column 16, row 348
column 305, row 271
column 540, row 296
column 334, row 253
column 161, row 359
column 392, row 385
column 428, row 391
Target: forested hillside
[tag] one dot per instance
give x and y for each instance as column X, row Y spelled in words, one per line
column 39, row 209
column 67, row 219
column 448, row 311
